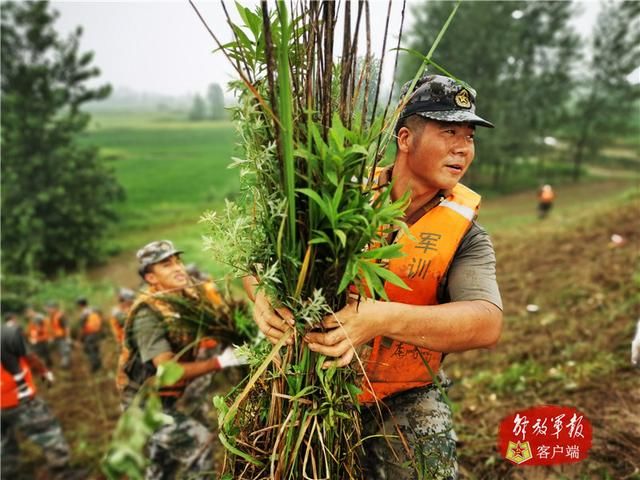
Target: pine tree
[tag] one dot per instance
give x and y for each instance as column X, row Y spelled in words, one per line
column 57, row 196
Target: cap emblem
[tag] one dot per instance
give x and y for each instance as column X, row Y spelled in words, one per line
column 462, row 99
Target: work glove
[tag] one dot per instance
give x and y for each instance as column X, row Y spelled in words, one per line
column 48, row 376
column 228, row 358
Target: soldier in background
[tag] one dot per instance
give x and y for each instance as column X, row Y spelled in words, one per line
column 153, row 336
column 60, row 333
column 25, row 412
column 120, row 312
column 38, row 334
column 90, row 333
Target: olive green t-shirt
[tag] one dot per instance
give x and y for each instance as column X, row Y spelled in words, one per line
column 472, row 274
column 149, row 334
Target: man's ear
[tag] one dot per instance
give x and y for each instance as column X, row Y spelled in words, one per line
column 405, row 139
column 150, row 278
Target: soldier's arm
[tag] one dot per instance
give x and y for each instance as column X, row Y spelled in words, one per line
column 191, row 369
column 150, row 336
column 471, row 319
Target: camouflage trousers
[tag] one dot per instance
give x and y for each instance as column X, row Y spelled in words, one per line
column 63, row 347
column 33, row 419
column 91, row 345
column 180, row 450
column 424, row 418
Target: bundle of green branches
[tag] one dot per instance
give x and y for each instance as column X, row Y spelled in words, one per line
column 199, row 318
column 312, row 136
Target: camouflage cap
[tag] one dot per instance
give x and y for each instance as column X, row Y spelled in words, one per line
column 126, row 294
column 155, row 252
column 442, row 98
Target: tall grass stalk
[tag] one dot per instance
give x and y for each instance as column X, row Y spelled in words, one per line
column 308, row 227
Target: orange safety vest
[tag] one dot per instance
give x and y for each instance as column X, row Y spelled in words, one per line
column 92, row 324
column 18, row 387
column 57, row 329
column 38, row 333
column 393, row 366
column 116, row 327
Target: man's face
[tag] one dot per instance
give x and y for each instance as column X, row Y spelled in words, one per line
column 169, row 274
column 440, row 153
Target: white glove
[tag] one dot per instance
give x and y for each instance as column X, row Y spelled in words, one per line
column 228, row 358
column 48, row 376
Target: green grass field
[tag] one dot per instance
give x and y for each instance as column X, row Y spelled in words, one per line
column 171, row 170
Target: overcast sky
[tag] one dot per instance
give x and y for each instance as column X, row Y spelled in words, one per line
column 162, row 47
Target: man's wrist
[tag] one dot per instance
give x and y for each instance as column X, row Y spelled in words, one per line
column 215, row 364
column 389, row 319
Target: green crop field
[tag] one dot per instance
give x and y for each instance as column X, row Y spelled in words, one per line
column 172, row 170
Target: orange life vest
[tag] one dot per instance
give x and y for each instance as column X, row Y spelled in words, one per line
column 180, row 339
column 394, row 366
column 57, row 329
column 547, row 195
column 38, row 332
column 92, row 324
column 16, row 387
column 211, row 292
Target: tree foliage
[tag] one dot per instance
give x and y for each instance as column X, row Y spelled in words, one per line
column 198, row 110
column 216, row 102
column 518, row 56
column 57, row 196
column 607, row 98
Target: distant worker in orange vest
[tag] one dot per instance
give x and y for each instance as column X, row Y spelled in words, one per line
column 454, row 303
column 119, row 313
column 60, row 332
column 90, row 333
column 39, row 334
column 546, row 196
column 22, row 411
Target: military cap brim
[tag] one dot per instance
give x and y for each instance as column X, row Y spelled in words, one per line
column 457, row 116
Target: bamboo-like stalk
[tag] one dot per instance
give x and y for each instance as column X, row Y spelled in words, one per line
column 306, row 233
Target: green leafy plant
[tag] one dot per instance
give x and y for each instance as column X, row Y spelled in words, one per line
column 310, row 225
column 126, row 454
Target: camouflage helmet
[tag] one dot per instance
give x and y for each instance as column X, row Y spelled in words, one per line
column 437, row 97
column 155, row 252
